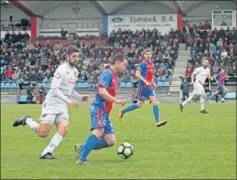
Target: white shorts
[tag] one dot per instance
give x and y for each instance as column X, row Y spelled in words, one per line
column 53, row 113
column 198, row 89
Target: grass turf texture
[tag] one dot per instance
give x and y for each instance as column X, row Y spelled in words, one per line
column 191, row 145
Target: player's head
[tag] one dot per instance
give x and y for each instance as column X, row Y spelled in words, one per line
column 222, row 70
column 205, row 63
column 73, row 54
column 119, row 62
column 148, row 54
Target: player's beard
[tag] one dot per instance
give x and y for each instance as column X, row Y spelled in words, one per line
column 73, row 64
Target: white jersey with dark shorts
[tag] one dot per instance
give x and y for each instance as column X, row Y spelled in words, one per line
column 201, row 76
column 55, row 107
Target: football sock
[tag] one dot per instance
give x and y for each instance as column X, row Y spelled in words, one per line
column 129, row 108
column 213, row 96
column 54, row 143
column 101, row 143
column 202, row 102
column 188, row 100
column 32, row 124
column 223, row 94
column 156, row 113
column 88, row 146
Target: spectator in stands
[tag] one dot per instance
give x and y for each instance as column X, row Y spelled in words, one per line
column 63, row 33
column 30, row 95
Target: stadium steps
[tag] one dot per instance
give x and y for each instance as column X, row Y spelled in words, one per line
column 179, row 69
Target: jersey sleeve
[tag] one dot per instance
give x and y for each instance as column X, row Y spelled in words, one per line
column 104, row 80
column 141, row 67
column 196, row 71
column 56, row 83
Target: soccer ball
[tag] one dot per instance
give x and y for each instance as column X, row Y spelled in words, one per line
column 125, row 150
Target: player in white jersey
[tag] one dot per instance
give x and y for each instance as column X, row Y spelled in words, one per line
column 54, row 108
column 201, row 73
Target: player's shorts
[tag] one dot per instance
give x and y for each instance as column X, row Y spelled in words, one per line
column 198, row 89
column 219, row 88
column 100, row 119
column 52, row 113
column 144, row 93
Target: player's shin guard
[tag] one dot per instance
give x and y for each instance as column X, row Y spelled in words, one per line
column 188, row 100
column 54, row 143
column 223, row 94
column 31, row 123
column 88, row 146
column 202, row 102
column 101, row 143
column 130, row 108
column 156, row 113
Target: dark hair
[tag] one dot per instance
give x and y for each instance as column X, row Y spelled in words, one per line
column 118, row 57
column 72, row 49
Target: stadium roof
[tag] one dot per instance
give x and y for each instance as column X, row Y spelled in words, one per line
column 40, row 8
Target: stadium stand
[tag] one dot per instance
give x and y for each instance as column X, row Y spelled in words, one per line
column 35, row 62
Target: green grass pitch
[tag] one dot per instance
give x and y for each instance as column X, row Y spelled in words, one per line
column 191, row 145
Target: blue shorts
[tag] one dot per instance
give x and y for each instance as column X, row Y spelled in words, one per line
column 100, row 119
column 144, row 93
column 219, row 88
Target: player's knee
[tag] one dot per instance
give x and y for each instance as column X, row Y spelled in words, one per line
column 154, row 102
column 111, row 142
column 63, row 130
column 98, row 132
column 139, row 104
column 203, row 96
column 43, row 133
column 43, row 130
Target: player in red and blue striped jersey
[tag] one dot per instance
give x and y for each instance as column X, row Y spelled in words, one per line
column 102, row 132
column 146, row 86
column 220, row 88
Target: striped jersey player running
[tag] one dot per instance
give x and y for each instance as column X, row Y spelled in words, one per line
column 201, row 73
column 54, row 108
column 102, row 133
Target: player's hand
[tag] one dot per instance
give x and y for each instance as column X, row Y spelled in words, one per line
column 86, row 98
column 72, row 103
column 120, row 101
column 147, row 83
column 155, row 86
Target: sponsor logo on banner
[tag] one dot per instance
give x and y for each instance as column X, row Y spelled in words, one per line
column 117, row 20
column 162, row 22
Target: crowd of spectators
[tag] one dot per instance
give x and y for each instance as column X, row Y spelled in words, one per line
column 21, row 61
column 219, row 45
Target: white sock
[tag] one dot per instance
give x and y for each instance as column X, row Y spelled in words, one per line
column 31, row 123
column 55, row 141
column 202, row 102
column 188, row 100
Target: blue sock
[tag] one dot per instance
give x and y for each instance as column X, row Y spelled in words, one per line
column 101, row 143
column 223, row 94
column 129, row 108
column 156, row 113
column 213, row 96
column 88, row 146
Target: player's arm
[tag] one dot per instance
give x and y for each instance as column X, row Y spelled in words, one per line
column 79, row 97
column 215, row 78
column 154, row 84
column 103, row 85
column 209, row 76
column 138, row 74
column 195, row 72
column 55, row 85
column 192, row 77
